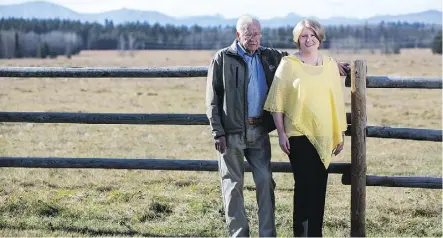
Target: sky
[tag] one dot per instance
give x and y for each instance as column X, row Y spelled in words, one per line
column 260, row 8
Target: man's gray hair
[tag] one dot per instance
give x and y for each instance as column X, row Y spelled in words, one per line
column 244, row 21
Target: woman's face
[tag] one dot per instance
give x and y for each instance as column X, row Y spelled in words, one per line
column 308, row 41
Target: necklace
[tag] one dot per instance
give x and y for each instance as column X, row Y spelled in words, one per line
column 317, row 62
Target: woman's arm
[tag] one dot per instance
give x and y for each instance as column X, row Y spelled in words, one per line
column 282, row 137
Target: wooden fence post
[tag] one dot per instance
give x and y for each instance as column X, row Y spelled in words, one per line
column 358, row 146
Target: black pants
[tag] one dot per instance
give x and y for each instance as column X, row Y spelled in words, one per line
column 310, row 180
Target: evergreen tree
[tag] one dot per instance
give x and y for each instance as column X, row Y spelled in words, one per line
column 437, row 44
column 17, row 49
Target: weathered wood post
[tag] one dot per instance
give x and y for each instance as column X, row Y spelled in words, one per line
column 358, row 146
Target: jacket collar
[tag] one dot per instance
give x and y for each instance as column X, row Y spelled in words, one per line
column 233, row 48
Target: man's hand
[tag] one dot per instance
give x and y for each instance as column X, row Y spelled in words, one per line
column 220, row 144
column 343, row 68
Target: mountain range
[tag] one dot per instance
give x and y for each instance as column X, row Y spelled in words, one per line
column 47, row 10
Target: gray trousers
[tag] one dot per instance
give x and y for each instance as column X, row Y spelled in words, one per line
column 257, row 150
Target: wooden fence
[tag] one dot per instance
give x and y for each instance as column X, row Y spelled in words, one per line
column 353, row 173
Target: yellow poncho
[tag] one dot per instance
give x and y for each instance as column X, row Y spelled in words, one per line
column 311, row 99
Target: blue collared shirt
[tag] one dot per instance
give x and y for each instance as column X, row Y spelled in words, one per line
column 257, row 86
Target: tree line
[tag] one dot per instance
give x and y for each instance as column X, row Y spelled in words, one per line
column 49, row 38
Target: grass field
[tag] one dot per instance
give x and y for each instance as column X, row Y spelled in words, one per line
column 99, row 202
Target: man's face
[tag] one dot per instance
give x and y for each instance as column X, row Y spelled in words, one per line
column 250, row 39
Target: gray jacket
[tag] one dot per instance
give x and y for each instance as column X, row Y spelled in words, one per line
column 226, row 89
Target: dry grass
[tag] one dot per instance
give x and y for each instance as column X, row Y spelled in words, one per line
column 95, row 202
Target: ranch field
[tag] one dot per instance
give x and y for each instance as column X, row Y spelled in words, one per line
column 103, row 202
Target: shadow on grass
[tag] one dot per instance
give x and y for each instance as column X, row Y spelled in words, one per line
column 252, row 188
column 89, row 231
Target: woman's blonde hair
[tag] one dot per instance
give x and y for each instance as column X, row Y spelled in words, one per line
column 318, row 30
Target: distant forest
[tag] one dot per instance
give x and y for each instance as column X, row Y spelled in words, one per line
column 50, row 38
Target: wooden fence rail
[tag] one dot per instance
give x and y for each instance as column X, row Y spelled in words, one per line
column 400, row 82
column 200, row 71
column 191, row 119
column 205, row 165
column 145, row 164
column 398, row 181
column 103, row 72
column 404, row 133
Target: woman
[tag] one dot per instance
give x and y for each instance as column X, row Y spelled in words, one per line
column 307, row 105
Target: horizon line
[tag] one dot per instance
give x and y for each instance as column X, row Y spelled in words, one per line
column 216, row 14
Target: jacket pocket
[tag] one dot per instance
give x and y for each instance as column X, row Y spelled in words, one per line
column 236, row 77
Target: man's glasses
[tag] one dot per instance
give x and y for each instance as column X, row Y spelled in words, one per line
column 249, row 36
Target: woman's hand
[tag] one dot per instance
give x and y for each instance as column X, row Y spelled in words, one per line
column 338, row 148
column 282, row 137
column 284, row 143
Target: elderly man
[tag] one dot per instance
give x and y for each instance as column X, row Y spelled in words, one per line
column 237, row 85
